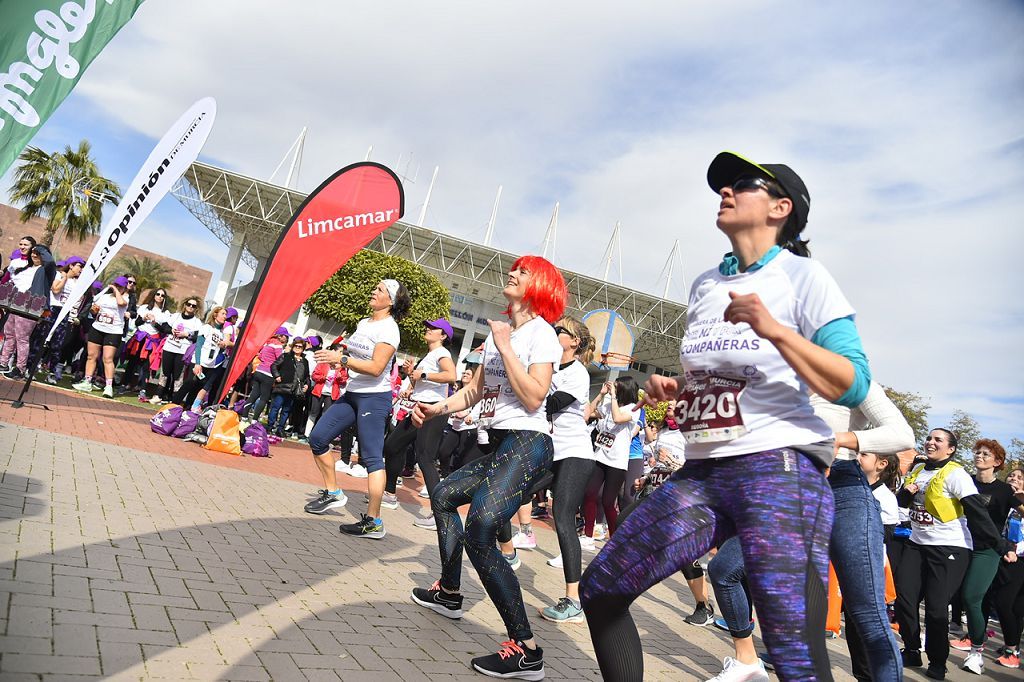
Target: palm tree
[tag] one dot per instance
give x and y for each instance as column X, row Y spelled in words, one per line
column 149, row 272
column 64, row 187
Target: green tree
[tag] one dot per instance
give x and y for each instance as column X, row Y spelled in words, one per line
column 1014, row 454
column 66, row 188
column 149, row 272
column 915, row 410
column 967, row 434
column 344, row 297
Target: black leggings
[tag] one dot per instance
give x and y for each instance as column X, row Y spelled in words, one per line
column 318, row 404
column 171, row 364
column 571, row 477
column 493, row 486
column 634, row 470
column 612, row 480
column 928, row 572
column 1008, row 595
column 427, row 438
column 259, row 395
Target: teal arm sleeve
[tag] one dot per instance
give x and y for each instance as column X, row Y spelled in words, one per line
column 199, row 348
column 841, row 337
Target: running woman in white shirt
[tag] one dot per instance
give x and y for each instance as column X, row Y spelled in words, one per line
column 105, row 336
column 762, row 328
column 518, row 362
column 429, row 381
column 574, row 457
column 368, row 355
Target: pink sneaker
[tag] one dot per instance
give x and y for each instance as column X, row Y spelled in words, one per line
column 524, row 540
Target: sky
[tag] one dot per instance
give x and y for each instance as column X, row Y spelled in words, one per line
column 903, row 119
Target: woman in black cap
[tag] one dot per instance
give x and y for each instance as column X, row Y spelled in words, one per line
column 762, row 328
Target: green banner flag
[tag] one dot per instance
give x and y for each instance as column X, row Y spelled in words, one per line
column 45, row 46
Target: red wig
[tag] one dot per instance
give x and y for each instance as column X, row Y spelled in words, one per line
column 546, row 294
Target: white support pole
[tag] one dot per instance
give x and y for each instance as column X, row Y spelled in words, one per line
column 368, row 152
column 227, row 273
column 494, row 216
column 299, row 143
column 426, row 202
column 609, row 253
column 302, row 322
column 551, row 236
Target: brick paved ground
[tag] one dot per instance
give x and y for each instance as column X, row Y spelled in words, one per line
column 129, row 555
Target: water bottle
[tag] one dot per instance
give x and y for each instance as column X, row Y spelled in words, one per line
column 1014, row 532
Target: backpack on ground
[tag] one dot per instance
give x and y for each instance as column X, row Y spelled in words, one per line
column 224, row 436
column 256, row 442
column 166, row 420
column 189, row 422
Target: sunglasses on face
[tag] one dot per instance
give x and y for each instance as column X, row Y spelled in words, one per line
column 159, row 293
column 131, row 281
column 563, row 330
column 748, row 183
column 191, row 305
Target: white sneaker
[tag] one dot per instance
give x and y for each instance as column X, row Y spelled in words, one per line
column 734, row 671
column 426, row 523
column 357, row 471
column 84, row 386
column 600, row 532
column 556, row 562
column 587, row 544
column 424, row 493
column 108, row 392
column 389, row 501
column 523, row 540
column 342, row 466
column 975, row 662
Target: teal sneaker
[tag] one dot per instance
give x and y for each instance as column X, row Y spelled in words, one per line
column 513, row 561
column 563, row 612
column 365, row 527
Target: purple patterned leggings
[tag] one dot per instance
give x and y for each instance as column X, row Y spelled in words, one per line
column 779, row 504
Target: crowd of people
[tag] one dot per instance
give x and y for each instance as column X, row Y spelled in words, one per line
column 772, row 456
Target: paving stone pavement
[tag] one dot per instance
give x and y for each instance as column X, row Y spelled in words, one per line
column 122, row 563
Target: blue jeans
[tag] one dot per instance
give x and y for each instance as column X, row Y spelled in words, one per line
column 857, row 551
column 728, row 579
column 280, row 408
column 369, row 412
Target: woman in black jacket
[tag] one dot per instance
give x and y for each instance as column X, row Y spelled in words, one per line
column 291, row 378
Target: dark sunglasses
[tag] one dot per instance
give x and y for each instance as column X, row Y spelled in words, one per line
column 563, row 330
column 746, row 183
column 191, row 305
column 159, row 293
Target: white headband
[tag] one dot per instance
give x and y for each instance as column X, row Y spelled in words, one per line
column 392, row 286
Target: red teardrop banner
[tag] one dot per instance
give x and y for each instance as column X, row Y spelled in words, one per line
column 335, row 221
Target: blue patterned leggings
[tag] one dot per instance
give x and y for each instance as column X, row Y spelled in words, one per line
column 493, row 486
column 779, row 504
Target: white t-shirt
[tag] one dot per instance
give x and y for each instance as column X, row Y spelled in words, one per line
column 22, row 281
column 741, row 396
column 569, row 431
column 673, row 441
column 159, row 317
column 361, row 343
column 890, row 507
column 110, row 318
column 431, row 391
column 176, row 345
column 928, row 530
column 58, row 300
column 458, row 424
column 211, row 354
column 533, row 343
column 612, row 444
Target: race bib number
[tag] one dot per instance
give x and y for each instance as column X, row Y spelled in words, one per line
column 604, row 440
column 405, row 408
column 921, row 517
column 708, row 410
column 489, row 402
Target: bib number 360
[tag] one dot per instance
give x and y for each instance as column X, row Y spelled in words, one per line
column 489, row 402
column 708, row 410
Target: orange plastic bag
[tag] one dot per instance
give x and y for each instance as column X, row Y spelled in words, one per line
column 835, row 602
column 224, row 435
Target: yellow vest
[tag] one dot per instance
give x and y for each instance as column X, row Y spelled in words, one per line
column 936, row 501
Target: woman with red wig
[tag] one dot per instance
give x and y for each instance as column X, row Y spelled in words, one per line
column 519, row 358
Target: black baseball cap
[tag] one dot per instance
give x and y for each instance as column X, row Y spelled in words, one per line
column 728, row 166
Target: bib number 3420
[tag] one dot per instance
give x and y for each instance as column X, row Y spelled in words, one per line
column 708, row 410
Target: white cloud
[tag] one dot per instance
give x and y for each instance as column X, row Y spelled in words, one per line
column 905, row 125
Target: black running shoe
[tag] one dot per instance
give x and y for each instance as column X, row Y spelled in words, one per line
column 326, row 501
column 911, row 659
column 436, row 599
column 365, row 527
column 703, row 615
column 935, row 672
column 14, row 373
column 513, row 661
